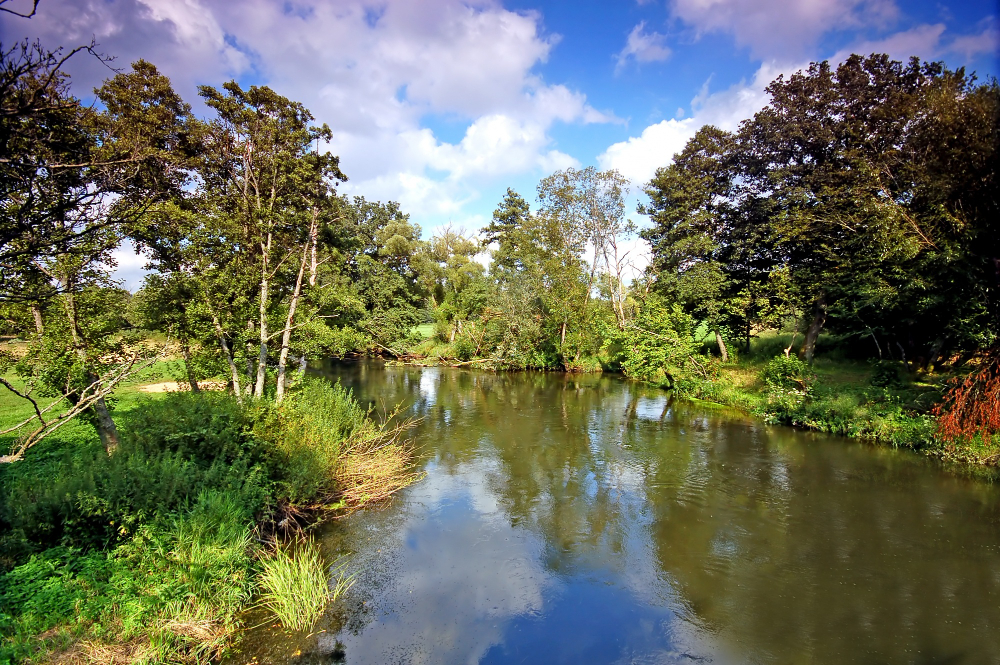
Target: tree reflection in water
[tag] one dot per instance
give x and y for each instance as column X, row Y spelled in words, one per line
column 581, row 518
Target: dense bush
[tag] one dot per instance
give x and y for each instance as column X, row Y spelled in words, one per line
column 306, row 434
column 179, row 583
column 172, row 450
column 788, row 375
column 657, row 345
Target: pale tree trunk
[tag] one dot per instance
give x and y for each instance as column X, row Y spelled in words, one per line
column 106, row 428
column 226, row 352
column 590, row 284
column 192, row 381
column 36, row 313
column 795, row 331
column 791, row 343
column 615, row 282
column 286, row 335
column 105, row 425
column 723, row 351
column 815, row 326
column 313, row 233
column 249, row 359
column 258, row 390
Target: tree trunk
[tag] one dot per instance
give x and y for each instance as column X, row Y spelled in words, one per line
column 258, row 390
column 723, row 351
column 562, row 334
column 192, row 381
column 249, row 359
column 935, row 353
column 226, row 352
column 815, row 326
column 36, row 313
column 286, row 335
column 313, row 233
column 106, row 429
column 105, row 426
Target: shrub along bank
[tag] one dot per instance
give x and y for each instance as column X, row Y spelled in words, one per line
column 153, row 553
column 878, row 400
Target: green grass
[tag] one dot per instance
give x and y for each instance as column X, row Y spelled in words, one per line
column 294, row 585
column 875, row 400
column 146, row 555
column 424, row 330
column 172, row 593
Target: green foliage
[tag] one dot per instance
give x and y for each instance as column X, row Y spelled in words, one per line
column 464, row 347
column 657, row 345
column 150, row 547
column 174, row 448
column 307, row 432
column 295, row 586
column 192, row 568
column 800, row 213
column 788, row 374
column 886, row 375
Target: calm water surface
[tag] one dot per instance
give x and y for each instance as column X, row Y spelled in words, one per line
column 585, row 519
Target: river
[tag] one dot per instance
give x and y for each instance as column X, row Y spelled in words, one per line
column 588, row 519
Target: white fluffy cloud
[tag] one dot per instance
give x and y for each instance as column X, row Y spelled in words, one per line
column 786, row 29
column 375, row 72
column 929, row 42
column 987, row 41
column 638, row 157
column 643, row 46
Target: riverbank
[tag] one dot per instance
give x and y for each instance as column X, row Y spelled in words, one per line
column 847, row 401
column 154, row 554
column 842, row 392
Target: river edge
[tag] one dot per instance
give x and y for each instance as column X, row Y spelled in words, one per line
column 270, row 645
column 164, row 572
column 738, row 386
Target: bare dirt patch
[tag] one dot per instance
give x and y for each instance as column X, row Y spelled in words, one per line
column 174, row 386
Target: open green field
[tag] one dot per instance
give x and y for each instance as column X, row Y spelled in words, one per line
column 424, row 330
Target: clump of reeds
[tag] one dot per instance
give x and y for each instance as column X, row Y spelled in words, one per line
column 295, row 588
column 375, row 463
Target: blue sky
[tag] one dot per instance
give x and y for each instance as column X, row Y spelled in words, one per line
column 443, row 104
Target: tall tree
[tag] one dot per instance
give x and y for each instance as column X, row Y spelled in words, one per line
column 262, row 173
column 75, row 181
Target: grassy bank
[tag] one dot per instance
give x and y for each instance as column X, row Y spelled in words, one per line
column 878, row 400
column 154, row 553
column 842, row 392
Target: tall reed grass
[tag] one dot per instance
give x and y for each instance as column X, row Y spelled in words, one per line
column 295, row 588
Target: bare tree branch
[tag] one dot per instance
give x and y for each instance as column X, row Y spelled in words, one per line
column 34, row 8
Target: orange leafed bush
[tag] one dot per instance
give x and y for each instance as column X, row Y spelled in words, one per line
column 971, row 406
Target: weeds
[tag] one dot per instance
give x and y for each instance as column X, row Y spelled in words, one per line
column 294, row 585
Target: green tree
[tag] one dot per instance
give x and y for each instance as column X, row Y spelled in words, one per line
column 692, row 213
column 262, row 176
column 75, row 180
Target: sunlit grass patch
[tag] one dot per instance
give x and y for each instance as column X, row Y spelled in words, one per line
column 424, row 330
column 294, row 585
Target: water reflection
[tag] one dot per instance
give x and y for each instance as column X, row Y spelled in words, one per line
column 582, row 519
